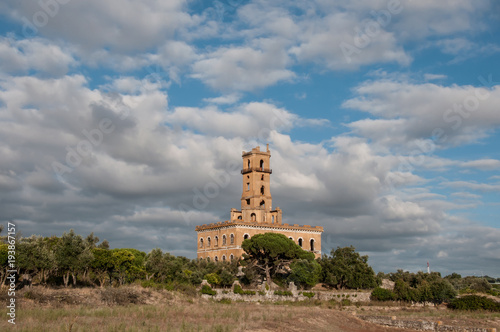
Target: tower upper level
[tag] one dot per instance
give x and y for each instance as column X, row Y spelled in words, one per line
column 256, row 173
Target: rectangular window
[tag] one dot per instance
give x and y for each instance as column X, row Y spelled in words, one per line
column 248, row 202
column 248, row 186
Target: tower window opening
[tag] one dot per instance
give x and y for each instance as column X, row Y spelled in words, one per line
column 239, row 217
column 291, row 238
column 246, row 236
column 261, row 165
column 224, row 240
column 208, row 242
column 272, row 218
column 312, row 244
column 232, row 239
column 248, row 201
column 216, row 241
column 300, row 242
column 262, row 189
column 201, row 243
column 223, row 258
column 216, row 258
column 253, row 217
column 248, row 186
column 263, row 204
column 248, row 163
column 262, row 177
column 231, row 257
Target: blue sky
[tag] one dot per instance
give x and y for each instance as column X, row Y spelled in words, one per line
column 382, row 117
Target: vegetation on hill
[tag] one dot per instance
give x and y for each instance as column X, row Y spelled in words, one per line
column 75, row 260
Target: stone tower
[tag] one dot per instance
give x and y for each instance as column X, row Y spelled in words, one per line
column 222, row 240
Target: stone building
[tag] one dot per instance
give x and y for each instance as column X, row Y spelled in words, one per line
column 222, row 240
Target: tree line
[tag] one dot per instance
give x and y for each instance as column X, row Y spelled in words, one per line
column 72, row 259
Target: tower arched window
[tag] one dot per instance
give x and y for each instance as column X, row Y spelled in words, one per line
column 248, row 163
column 224, row 239
column 223, row 258
column 261, row 165
column 253, row 217
column 231, row 257
column 272, row 217
column 239, row 217
column 262, row 189
column 312, row 244
column 262, row 177
column 300, row 242
column 262, row 204
column 246, row 236
column 216, row 241
column 232, row 239
column 216, row 258
column 208, row 242
column 201, row 243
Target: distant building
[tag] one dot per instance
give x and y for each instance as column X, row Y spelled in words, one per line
column 221, row 241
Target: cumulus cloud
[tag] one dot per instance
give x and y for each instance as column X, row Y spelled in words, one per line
column 407, row 113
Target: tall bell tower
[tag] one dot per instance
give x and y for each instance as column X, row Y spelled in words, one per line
column 256, row 199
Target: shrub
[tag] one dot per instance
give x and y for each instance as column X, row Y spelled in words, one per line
column 225, row 301
column 308, row 294
column 208, row 290
column 238, row 290
column 382, row 294
column 283, row 293
column 345, row 302
column 474, row 302
column 262, row 293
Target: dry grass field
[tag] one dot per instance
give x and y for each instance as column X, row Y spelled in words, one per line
column 137, row 309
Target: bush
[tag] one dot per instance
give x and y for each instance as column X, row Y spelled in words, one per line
column 262, row 293
column 382, row 294
column 308, row 294
column 238, row 290
column 283, row 293
column 208, row 290
column 474, row 302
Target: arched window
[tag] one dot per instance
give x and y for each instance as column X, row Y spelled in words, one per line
column 224, row 239
column 262, row 177
column 239, row 217
column 291, row 238
column 261, row 165
column 263, row 204
column 208, row 242
column 231, row 257
column 272, row 217
column 262, row 190
column 253, row 217
column 232, row 238
column 223, row 258
column 201, row 243
column 208, row 259
column 300, row 242
column 246, row 236
column 216, row 258
column 248, row 163
column 248, row 186
column 312, row 244
column 216, row 241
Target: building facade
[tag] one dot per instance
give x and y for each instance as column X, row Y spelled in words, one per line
column 221, row 241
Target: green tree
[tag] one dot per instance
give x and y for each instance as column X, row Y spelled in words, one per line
column 122, row 264
column 35, row 258
column 72, row 256
column 270, row 252
column 305, row 273
column 345, row 268
column 102, row 265
column 155, row 265
column 442, row 291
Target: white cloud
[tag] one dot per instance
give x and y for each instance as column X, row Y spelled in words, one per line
column 483, row 164
column 34, row 54
column 448, row 115
column 244, row 68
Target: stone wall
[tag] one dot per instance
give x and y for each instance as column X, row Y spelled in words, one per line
column 421, row 325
